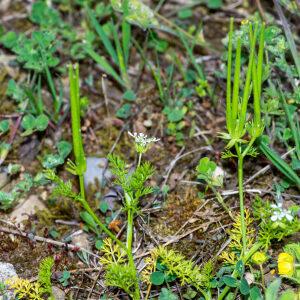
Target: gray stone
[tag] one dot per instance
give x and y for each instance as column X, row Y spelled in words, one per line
column 58, row 294
column 3, row 179
column 26, row 208
column 96, row 170
column 7, row 271
column 81, row 239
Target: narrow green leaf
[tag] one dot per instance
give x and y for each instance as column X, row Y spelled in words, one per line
column 279, row 163
column 102, row 35
column 101, row 60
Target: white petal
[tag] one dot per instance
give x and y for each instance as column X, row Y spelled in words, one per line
column 274, row 218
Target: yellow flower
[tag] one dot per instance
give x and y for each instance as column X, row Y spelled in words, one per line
column 245, row 21
column 259, row 258
column 285, row 264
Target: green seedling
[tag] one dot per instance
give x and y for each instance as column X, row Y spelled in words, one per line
column 206, row 170
column 237, row 105
column 133, row 186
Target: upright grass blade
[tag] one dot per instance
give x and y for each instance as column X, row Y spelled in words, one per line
column 194, row 63
column 104, row 64
column 292, row 124
column 103, row 36
column 53, row 92
column 121, row 57
column 126, row 32
column 228, row 87
column 190, row 53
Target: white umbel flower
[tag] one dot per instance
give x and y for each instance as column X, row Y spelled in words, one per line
column 142, row 141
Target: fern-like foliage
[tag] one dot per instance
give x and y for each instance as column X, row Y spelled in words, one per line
column 24, row 289
column 231, row 256
column 117, row 272
column 227, row 154
column 62, row 188
column 112, row 253
column 269, row 230
column 44, row 276
column 122, row 276
column 133, row 183
column 178, row 265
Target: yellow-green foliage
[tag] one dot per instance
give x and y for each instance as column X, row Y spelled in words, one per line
column 117, row 272
column 235, row 247
column 178, row 265
column 24, row 289
column 122, row 276
column 112, row 253
column 45, row 276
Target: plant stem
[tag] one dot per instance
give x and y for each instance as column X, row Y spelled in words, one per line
column 129, row 229
column 262, row 276
column 221, row 202
column 81, row 186
column 234, row 274
column 241, row 196
column 139, row 160
column 53, row 92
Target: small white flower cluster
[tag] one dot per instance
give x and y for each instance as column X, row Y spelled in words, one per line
column 142, row 141
column 279, row 213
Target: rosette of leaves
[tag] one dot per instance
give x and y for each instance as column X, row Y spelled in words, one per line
column 34, row 53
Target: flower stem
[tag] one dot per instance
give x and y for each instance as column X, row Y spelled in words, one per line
column 139, row 160
column 221, row 202
column 241, row 196
column 129, row 229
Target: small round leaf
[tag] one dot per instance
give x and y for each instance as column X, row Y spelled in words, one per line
column 157, row 278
